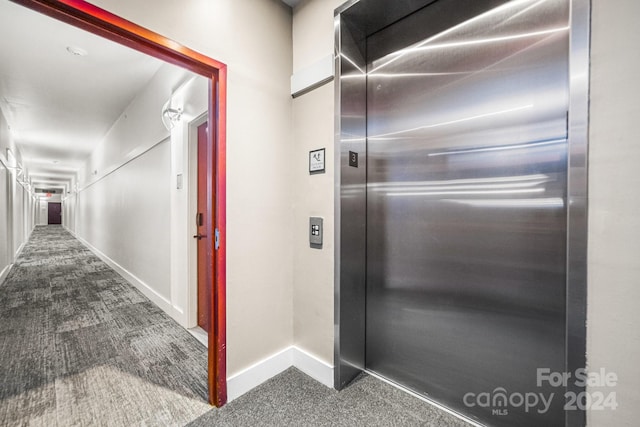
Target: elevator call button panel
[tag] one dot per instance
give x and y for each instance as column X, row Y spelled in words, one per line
column 315, row 232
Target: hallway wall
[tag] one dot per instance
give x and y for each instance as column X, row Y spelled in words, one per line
column 123, row 206
column 17, row 204
column 613, row 323
column 254, row 39
column 5, row 246
column 313, row 128
column 42, row 208
column 126, row 216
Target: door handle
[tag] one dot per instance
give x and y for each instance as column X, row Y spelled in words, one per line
column 199, row 236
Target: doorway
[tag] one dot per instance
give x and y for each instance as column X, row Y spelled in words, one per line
column 54, row 213
column 100, row 22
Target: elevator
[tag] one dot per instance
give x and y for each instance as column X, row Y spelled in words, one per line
column 459, row 274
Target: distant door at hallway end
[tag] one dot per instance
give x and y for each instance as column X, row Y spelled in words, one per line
column 54, row 213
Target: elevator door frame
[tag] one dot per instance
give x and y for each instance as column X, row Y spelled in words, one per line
column 354, row 22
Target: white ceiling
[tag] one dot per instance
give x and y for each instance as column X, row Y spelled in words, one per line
column 59, row 106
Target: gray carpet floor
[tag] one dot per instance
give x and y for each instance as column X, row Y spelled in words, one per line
column 294, row 399
column 79, row 346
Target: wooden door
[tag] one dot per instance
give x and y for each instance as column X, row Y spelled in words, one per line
column 54, row 213
column 204, row 291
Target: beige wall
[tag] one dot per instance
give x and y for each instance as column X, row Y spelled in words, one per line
column 313, row 128
column 313, row 31
column 254, row 39
column 313, row 268
column 613, row 325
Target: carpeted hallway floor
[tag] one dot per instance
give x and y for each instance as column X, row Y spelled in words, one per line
column 79, row 346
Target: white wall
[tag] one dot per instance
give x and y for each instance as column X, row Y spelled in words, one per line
column 17, row 205
column 42, row 213
column 5, row 227
column 69, row 202
column 125, row 215
column 613, row 318
column 122, row 208
column 254, row 39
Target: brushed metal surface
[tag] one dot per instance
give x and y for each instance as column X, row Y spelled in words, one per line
column 577, row 215
column 466, row 202
column 350, row 233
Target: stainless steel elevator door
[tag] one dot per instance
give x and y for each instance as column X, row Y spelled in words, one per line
column 466, row 210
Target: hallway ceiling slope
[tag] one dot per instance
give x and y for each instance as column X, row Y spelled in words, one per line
column 59, row 105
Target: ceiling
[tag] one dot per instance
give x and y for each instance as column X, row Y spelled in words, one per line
column 59, row 106
column 292, row 3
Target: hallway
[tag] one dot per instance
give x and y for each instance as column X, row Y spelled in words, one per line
column 81, row 346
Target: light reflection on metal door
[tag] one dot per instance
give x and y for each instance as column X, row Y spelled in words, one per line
column 466, row 209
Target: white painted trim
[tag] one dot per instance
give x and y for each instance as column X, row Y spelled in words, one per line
column 312, row 366
column 200, row 334
column 254, row 375
column 7, row 269
column 155, row 297
column 17, row 254
column 128, row 159
column 5, row 273
column 313, row 76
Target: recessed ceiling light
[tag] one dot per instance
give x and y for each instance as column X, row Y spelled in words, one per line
column 77, row 51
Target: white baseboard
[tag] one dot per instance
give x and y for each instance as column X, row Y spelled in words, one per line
column 19, row 251
column 5, row 273
column 155, row 297
column 200, row 334
column 7, row 269
column 312, row 366
column 253, row 376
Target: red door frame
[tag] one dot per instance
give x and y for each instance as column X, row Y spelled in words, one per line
column 98, row 21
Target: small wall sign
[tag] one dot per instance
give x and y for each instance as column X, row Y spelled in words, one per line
column 316, row 161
